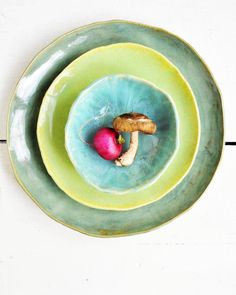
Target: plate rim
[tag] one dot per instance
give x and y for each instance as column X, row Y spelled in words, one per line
column 78, row 29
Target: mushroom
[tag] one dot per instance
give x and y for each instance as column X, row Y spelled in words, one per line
column 132, row 122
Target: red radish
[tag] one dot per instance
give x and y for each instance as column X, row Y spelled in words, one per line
column 108, row 143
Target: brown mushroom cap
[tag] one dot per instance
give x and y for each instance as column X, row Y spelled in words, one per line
column 132, row 122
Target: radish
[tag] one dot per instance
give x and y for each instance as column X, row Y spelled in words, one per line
column 108, row 143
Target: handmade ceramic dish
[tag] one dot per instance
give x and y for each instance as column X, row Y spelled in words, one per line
column 23, row 113
column 97, row 63
column 96, row 107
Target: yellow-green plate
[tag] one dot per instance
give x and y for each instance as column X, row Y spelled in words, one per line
column 121, row 58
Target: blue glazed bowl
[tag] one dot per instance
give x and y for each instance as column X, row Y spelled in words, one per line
column 96, row 107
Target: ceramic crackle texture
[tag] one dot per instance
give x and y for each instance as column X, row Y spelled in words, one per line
column 96, row 107
column 23, row 115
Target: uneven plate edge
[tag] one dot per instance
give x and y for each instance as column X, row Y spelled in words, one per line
column 77, row 30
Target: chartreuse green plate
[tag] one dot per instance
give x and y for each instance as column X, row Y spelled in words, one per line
column 23, row 115
column 96, row 107
column 121, row 58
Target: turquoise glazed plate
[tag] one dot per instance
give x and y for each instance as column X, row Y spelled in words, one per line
column 97, row 63
column 96, row 107
column 23, row 114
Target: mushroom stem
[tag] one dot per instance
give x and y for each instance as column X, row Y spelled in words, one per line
column 127, row 158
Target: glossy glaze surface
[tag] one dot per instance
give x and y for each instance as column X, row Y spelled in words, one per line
column 23, row 114
column 97, row 63
column 96, row 107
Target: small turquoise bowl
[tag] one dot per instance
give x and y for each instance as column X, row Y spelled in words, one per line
column 96, row 107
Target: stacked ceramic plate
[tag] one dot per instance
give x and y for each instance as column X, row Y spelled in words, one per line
column 80, row 83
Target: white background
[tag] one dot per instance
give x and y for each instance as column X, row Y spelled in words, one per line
column 194, row 254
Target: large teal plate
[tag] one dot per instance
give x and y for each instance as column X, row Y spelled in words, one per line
column 23, row 114
column 96, row 107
